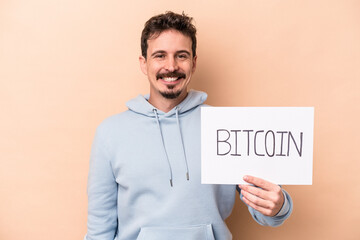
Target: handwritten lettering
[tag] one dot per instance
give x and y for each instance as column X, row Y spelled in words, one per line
column 261, row 143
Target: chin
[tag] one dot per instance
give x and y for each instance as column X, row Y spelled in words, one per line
column 171, row 95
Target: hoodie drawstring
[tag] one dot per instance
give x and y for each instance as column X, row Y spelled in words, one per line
column 182, row 142
column 163, row 143
column 162, row 140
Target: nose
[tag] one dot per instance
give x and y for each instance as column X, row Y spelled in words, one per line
column 171, row 64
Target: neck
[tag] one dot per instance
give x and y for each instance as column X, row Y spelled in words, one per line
column 165, row 104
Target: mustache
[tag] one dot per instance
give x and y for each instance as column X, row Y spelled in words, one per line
column 171, row 74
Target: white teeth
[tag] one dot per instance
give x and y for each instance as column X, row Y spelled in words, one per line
column 170, row 79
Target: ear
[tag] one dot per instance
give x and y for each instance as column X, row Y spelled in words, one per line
column 194, row 64
column 143, row 65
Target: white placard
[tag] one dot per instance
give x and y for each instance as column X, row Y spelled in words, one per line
column 273, row 143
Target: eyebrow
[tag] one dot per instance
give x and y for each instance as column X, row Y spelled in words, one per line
column 162, row 51
column 183, row 51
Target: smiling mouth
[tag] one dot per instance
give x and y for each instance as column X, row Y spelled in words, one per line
column 170, row 77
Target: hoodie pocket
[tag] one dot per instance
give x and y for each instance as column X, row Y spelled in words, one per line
column 197, row 232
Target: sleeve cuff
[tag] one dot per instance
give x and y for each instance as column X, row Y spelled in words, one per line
column 285, row 207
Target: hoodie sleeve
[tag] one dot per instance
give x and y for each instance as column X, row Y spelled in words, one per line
column 102, row 193
column 276, row 220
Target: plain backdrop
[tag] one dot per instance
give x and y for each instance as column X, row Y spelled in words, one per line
column 66, row 65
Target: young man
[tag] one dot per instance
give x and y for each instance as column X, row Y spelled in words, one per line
column 144, row 177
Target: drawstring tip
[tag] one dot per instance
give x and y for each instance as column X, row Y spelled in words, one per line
column 187, row 176
column 171, row 183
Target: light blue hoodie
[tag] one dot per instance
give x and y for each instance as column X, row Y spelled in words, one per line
column 144, row 178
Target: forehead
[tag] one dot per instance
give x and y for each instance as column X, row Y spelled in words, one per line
column 169, row 41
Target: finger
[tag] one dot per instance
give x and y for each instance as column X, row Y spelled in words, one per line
column 256, row 200
column 255, row 191
column 274, row 197
column 264, row 211
column 266, row 185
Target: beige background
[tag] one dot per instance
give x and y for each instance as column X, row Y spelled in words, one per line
column 65, row 65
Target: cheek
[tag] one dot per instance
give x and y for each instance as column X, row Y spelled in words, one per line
column 155, row 68
column 190, row 69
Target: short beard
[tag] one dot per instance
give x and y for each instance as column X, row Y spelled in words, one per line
column 170, row 95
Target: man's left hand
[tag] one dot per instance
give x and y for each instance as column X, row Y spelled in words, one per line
column 265, row 197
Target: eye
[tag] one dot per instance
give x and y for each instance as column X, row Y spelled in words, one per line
column 160, row 56
column 182, row 56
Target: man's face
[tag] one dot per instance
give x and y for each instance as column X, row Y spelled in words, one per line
column 169, row 64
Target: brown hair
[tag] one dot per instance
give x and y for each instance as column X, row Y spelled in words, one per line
column 170, row 20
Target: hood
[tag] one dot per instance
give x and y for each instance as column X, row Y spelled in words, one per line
column 141, row 105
